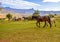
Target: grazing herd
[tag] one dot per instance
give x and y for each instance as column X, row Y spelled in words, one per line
column 45, row 19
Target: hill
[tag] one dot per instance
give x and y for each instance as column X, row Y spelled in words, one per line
column 30, row 11
column 26, row 11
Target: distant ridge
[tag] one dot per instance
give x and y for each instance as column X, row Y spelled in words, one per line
column 24, row 11
column 30, row 11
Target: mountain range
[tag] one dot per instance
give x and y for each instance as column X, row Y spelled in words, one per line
column 29, row 11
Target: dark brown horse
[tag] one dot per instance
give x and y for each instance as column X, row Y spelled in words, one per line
column 42, row 19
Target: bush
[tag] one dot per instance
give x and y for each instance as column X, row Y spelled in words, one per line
column 9, row 16
column 29, row 17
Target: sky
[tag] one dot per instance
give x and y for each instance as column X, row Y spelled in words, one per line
column 45, row 5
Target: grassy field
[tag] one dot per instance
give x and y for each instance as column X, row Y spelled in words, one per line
column 26, row 31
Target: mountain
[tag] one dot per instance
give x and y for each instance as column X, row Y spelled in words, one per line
column 30, row 11
column 14, row 12
column 49, row 12
column 24, row 11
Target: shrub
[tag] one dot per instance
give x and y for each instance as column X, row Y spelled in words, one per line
column 9, row 16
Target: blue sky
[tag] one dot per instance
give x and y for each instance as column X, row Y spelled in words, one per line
column 47, row 5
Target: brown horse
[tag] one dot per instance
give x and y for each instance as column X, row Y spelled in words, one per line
column 42, row 19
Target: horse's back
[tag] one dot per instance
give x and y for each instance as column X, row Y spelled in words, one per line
column 44, row 18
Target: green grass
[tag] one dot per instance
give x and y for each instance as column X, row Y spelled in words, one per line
column 26, row 31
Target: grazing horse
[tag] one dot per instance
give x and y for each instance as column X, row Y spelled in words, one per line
column 53, row 21
column 16, row 19
column 25, row 18
column 42, row 19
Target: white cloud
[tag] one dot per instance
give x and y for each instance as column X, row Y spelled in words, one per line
column 51, row 0
column 20, row 4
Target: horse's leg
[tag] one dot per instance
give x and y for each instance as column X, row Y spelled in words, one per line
column 55, row 23
column 39, row 24
column 44, row 24
column 47, row 24
column 50, row 23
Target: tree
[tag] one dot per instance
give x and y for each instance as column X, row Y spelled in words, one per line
column 9, row 16
column 36, row 13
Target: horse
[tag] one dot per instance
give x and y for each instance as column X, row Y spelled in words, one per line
column 16, row 19
column 25, row 18
column 42, row 19
column 53, row 21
